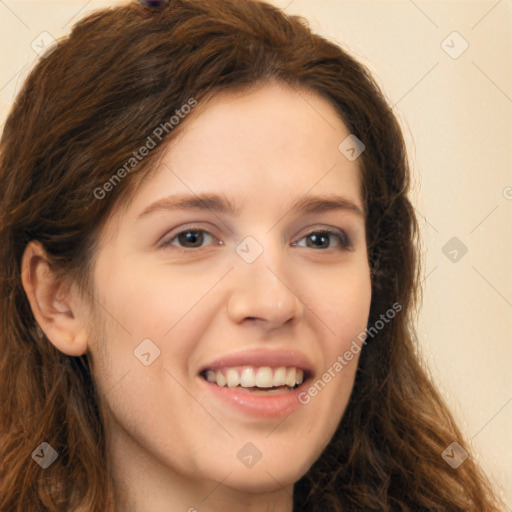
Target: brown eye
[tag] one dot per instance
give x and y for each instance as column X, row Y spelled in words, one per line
column 321, row 239
column 188, row 239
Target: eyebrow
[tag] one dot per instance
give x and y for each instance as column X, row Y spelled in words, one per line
column 222, row 204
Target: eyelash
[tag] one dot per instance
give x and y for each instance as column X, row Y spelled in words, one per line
column 343, row 239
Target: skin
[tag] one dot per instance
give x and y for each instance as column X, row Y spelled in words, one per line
column 173, row 446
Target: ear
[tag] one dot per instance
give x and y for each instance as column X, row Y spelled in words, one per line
column 58, row 307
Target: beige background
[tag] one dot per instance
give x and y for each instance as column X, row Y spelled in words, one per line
column 457, row 118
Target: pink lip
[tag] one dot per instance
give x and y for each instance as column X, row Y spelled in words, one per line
column 258, row 357
column 262, row 406
column 259, row 405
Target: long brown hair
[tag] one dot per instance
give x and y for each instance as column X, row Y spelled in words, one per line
column 82, row 113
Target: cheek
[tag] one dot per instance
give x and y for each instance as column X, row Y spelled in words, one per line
column 155, row 312
column 344, row 306
column 148, row 302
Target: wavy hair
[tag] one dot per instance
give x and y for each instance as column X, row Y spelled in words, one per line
column 82, row 112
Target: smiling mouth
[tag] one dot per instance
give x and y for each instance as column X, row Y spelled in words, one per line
column 259, row 380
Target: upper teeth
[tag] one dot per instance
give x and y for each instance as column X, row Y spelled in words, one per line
column 251, row 376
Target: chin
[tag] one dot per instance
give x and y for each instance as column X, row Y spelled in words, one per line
column 261, row 481
column 283, row 470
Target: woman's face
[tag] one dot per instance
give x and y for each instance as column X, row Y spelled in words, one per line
column 192, row 293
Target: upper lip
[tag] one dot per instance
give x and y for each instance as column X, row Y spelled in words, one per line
column 260, row 357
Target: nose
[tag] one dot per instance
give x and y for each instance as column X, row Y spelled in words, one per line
column 263, row 292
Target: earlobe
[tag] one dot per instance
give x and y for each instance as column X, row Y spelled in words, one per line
column 56, row 305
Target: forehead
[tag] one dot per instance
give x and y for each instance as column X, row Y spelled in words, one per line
column 269, row 116
column 271, row 143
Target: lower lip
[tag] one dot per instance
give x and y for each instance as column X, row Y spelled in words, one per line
column 259, row 405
